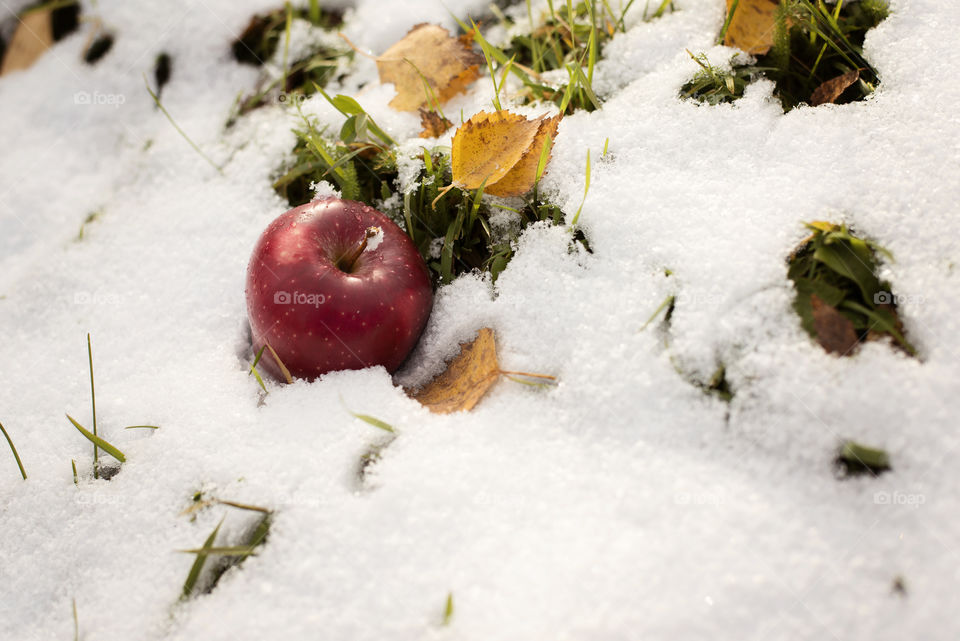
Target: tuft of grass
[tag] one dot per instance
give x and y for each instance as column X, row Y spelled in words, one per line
column 840, row 269
column 13, row 449
column 98, row 442
column 714, row 85
column 814, row 42
column 569, row 38
column 451, row 228
column 300, row 77
column 201, row 559
column 260, row 39
column 228, row 555
column 854, row 458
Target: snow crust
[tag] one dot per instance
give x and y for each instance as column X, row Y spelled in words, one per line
column 622, row 503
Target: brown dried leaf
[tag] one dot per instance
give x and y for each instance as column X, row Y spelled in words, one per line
column 33, row 37
column 428, row 50
column 752, row 26
column 829, row 91
column 499, row 150
column 835, row 332
column 466, row 379
column 433, row 124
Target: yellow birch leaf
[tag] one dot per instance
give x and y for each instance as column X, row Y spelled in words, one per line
column 32, row 38
column 519, row 180
column 752, row 26
column 427, row 53
column 466, row 379
column 488, row 146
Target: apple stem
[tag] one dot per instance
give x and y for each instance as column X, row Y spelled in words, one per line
column 347, row 261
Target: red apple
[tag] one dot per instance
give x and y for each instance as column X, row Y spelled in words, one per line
column 335, row 284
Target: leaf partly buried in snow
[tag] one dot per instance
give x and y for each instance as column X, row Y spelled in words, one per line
column 466, row 379
column 834, row 331
column 428, row 53
column 829, row 91
column 752, row 26
column 500, row 151
column 434, row 124
column 33, row 37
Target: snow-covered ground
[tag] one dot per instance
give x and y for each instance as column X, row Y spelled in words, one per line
column 622, row 503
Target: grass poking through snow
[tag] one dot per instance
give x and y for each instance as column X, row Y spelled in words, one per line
column 13, row 449
column 814, row 43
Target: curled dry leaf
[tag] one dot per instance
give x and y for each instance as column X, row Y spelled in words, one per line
column 428, row 53
column 829, row 91
column 433, row 124
column 752, row 26
column 500, row 151
column 466, row 379
column 834, row 330
column 33, row 37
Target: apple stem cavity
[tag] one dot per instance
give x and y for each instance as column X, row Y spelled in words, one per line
column 349, row 259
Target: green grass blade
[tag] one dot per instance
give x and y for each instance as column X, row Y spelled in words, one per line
column 256, row 361
column 198, row 564
column 149, row 427
column 286, row 42
column 73, row 464
column 93, row 403
column 448, row 609
column 244, row 506
column 76, row 622
column 544, row 158
column 14, row 450
column 726, row 23
column 102, row 444
column 667, row 302
column 586, row 189
column 227, row 550
column 173, row 122
column 376, row 422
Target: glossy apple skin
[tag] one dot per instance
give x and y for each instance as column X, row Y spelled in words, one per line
column 319, row 318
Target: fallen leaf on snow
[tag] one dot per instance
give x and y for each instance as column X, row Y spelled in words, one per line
column 830, row 90
column 500, row 151
column 466, row 379
column 428, row 53
column 33, row 37
column 433, row 124
column 752, row 26
column 834, row 330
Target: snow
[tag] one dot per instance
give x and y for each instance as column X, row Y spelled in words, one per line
column 622, row 503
